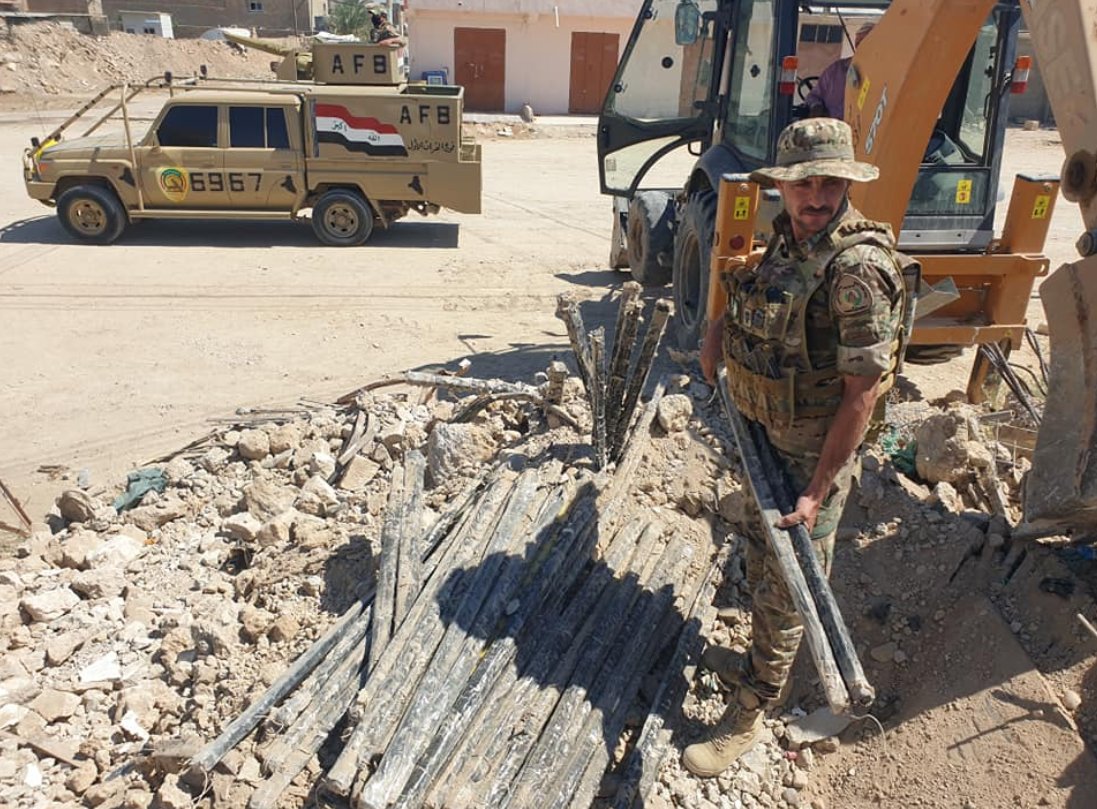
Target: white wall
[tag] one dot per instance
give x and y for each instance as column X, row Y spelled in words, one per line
column 538, row 57
column 566, row 8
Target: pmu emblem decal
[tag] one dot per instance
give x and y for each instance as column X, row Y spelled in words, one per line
column 173, row 182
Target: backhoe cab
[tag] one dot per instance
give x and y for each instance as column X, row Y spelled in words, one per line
column 703, row 89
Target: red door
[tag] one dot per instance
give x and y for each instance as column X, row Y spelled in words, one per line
column 480, row 55
column 593, row 62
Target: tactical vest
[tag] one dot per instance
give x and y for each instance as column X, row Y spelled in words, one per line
column 770, row 372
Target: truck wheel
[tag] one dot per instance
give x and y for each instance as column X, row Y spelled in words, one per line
column 91, row 213
column 342, row 219
column 692, row 248
column 650, row 217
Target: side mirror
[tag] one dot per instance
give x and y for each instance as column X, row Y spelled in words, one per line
column 687, row 22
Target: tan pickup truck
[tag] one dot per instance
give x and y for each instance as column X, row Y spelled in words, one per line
column 356, row 148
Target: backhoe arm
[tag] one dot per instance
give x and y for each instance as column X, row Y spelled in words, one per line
column 1061, row 489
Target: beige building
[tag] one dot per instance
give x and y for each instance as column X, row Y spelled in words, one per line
column 558, row 56
column 191, row 17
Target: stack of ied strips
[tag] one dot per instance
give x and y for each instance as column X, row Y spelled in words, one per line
column 498, row 656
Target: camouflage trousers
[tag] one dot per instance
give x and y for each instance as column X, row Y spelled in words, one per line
column 776, row 629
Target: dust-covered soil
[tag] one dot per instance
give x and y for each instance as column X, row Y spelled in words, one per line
column 47, row 65
column 124, row 632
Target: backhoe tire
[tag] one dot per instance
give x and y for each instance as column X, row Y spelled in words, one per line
column 618, row 242
column 650, row 233
column 92, row 213
column 342, row 218
column 936, row 354
column 692, row 248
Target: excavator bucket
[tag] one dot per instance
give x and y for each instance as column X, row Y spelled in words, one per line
column 1061, row 488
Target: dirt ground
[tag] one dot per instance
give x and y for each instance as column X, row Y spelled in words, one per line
column 114, row 355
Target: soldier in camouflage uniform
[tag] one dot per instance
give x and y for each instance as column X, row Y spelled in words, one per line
column 384, row 31
column 811, row 338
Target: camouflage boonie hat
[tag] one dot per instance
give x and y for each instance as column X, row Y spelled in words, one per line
column 816, row 147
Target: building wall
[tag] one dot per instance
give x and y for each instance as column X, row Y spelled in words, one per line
column 538, row 51
column 192, row 17
column 57, row 6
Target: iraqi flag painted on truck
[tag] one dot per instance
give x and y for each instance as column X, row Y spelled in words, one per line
column 335, row 124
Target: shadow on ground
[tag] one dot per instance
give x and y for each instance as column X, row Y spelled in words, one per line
column 234, row 234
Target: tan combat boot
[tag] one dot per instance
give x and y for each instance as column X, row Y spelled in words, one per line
column 734, row 735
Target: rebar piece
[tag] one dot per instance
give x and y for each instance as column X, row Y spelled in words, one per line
column 467, row 384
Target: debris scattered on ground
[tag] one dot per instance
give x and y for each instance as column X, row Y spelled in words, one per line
column 39, row 60
column 134, row 639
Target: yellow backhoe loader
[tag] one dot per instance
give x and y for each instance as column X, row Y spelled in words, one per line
column 927, row 95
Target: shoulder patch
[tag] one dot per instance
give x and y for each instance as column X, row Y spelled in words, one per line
column 851, row 296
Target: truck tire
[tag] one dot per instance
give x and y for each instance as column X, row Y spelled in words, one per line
column 650, row 220
column 342, row 218
column 692, row 248
column 91, row 213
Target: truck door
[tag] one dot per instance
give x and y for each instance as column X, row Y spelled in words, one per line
column 263, row 165
column 179, row 154
column 663, row 93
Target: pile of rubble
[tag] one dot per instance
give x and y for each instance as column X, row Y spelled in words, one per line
column 52, row 59
column 143, row 620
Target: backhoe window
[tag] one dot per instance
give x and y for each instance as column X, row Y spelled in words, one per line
column 188, row 125
column 752, row 79
column 662, row 79
column 977, row 104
